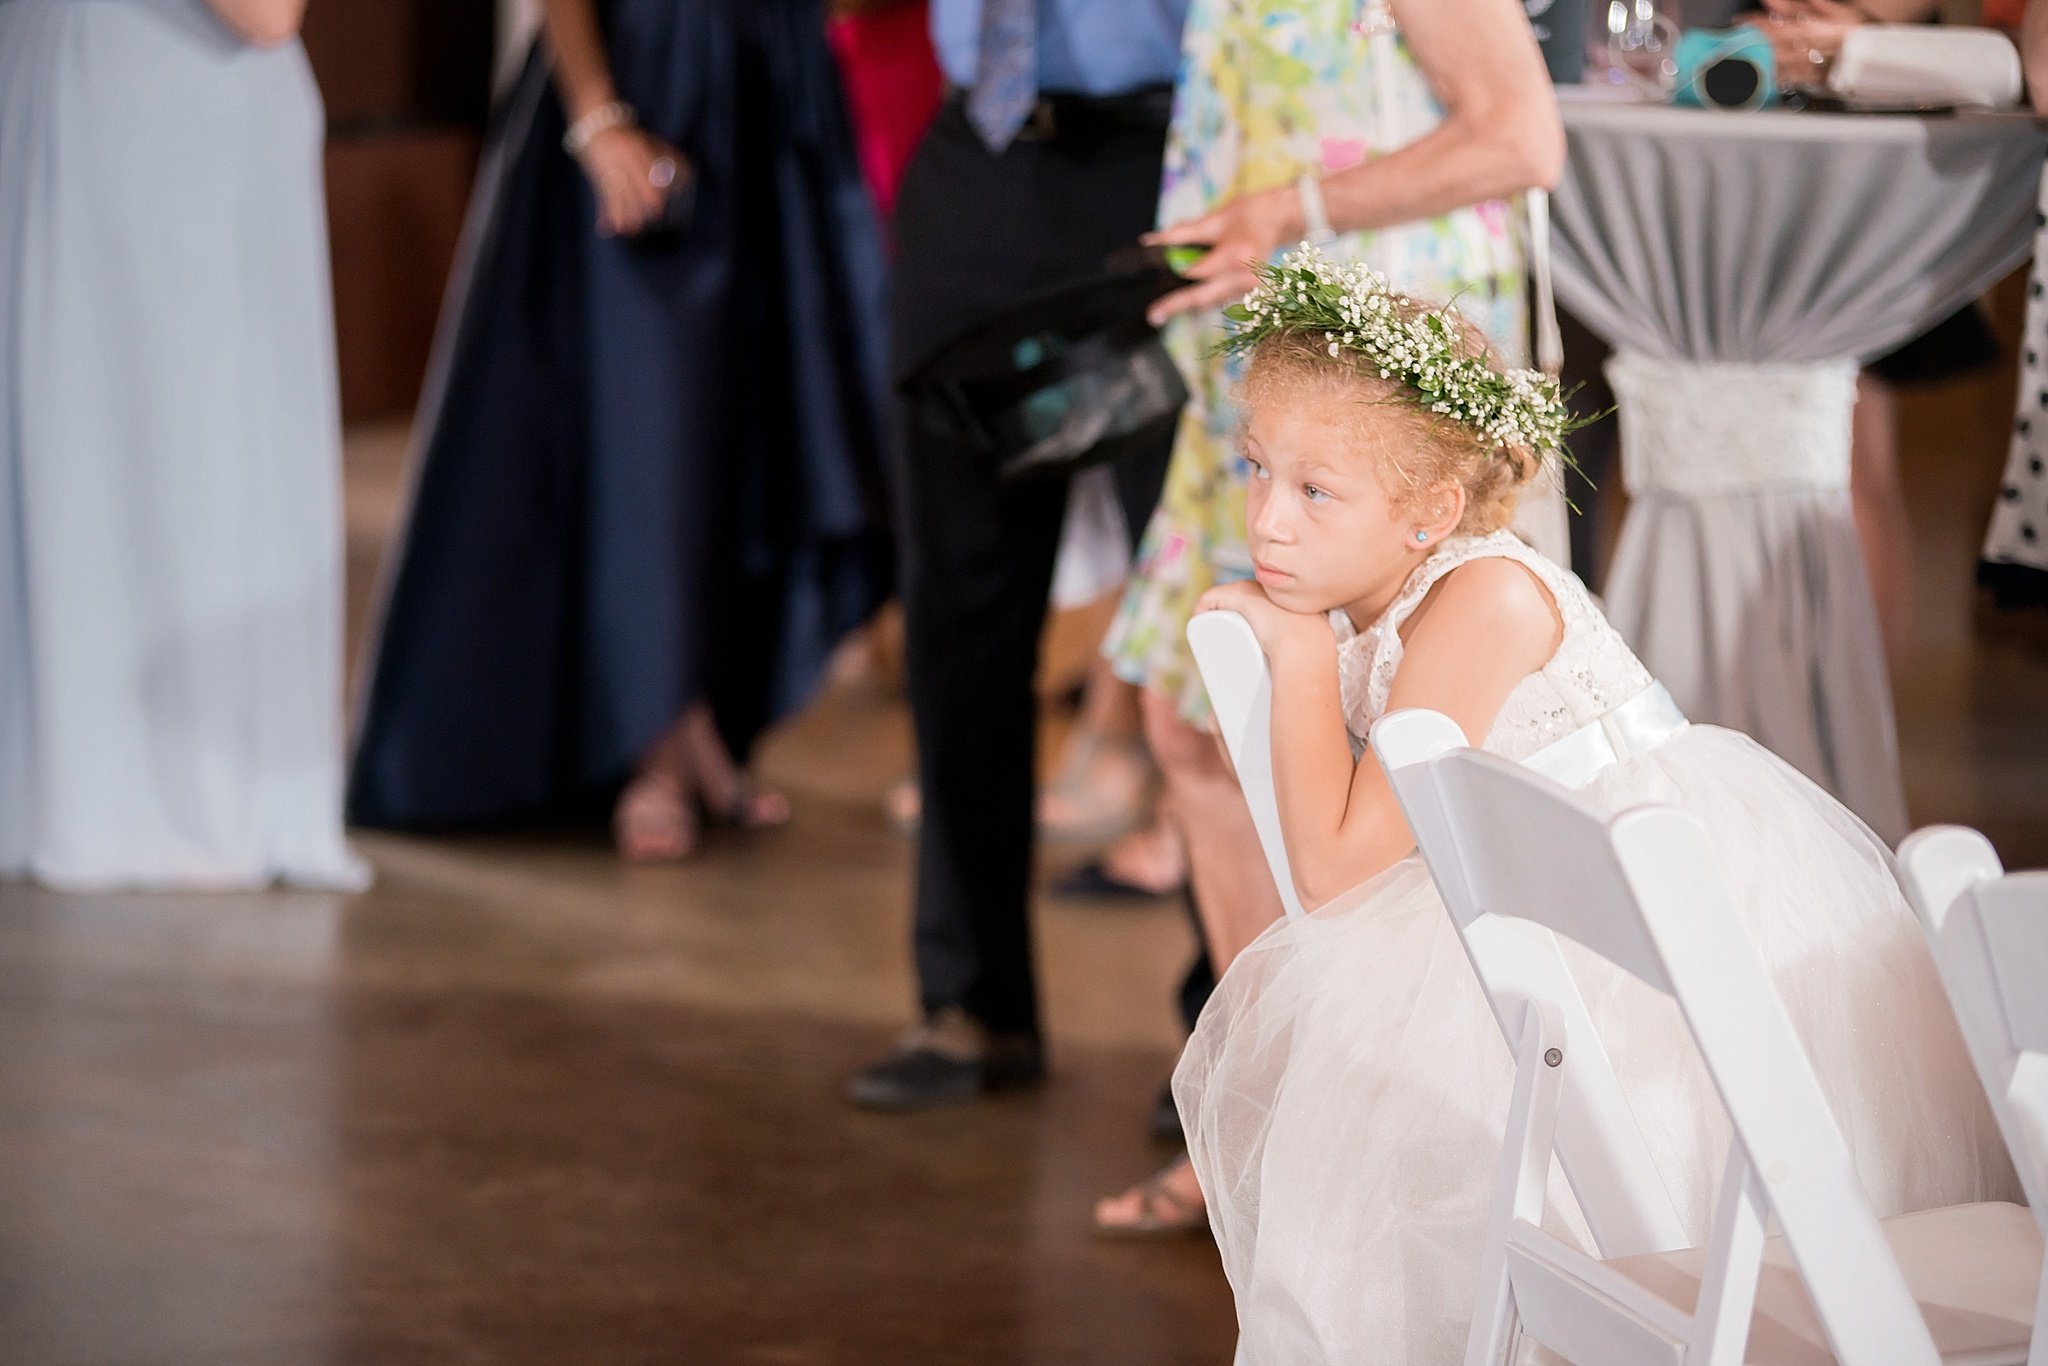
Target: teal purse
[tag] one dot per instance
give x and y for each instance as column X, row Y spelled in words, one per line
column 1730, row 68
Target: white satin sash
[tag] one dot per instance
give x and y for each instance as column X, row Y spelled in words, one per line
column 1630, row 731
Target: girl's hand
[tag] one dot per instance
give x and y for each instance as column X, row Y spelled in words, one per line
column 1247, row 229
column 1277, row 628
column 633, row 173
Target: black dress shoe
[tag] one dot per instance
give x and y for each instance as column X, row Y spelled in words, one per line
column 947, row 1059
column 1164, row 1124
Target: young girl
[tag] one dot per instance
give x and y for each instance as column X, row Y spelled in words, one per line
column 1345, row 1092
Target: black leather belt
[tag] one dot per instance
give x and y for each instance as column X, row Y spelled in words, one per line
column 1061, row 117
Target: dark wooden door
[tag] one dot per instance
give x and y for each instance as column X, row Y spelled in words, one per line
column 407, row 90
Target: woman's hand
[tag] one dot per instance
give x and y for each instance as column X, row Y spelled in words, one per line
column 1277, row 629
column 266, row 23
column 1805, row 35
column 1247, row 229
column 632, row 172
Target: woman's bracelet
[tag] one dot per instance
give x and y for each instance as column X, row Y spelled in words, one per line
column 1315, row 215
column 604, row 118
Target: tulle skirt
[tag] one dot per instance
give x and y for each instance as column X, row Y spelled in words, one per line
column 1346, row 1091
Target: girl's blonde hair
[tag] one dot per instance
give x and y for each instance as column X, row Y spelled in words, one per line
column 1416, row 450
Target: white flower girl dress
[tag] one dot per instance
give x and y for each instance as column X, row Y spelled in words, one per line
column 1346, row 1090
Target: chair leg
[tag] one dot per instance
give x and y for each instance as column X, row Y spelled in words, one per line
column 1728, row 1294
column 1524, row 1176
column 2037, row 1351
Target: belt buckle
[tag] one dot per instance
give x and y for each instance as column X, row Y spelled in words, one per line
column 1039, row 126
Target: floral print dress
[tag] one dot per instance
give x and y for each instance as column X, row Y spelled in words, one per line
column 1270, row 90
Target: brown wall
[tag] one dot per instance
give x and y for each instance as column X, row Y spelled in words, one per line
column 406, row 84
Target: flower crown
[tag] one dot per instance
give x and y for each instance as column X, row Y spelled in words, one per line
column 1356, row 310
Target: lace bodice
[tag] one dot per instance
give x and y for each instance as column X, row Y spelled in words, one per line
column 1592, row 672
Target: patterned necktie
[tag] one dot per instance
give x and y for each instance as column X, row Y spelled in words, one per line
column 1005, row 71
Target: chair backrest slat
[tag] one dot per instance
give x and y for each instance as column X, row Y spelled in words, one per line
column 1543, row 861
column 1240, row 688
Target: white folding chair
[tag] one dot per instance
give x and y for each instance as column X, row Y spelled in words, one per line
column 1644, row 892
column 1988, row 931
column 1627, row 1208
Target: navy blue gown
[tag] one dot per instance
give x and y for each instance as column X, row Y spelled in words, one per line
column 647, row 472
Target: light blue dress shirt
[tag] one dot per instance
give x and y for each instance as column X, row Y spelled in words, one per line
column 1085, row 47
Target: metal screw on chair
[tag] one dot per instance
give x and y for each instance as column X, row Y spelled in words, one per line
column 1553, row 1056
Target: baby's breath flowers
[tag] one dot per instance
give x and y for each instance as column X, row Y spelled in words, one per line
column 1356, row 310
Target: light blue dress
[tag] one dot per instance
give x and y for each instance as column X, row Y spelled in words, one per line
column 170, row 522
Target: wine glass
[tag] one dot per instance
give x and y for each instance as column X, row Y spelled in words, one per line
column 1641, row 45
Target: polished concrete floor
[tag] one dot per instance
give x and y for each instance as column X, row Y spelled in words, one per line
column 519, row 1104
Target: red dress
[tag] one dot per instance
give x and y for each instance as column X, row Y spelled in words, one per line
column 893, row 87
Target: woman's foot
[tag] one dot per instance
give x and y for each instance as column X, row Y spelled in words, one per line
column 1151, row 858
column 1100, row 792
column 655, row 821
column 1146, row 863
column 903, row 806
column 687, row 778
column 1166, row 1205
column 1102, row 789
column 726, row 794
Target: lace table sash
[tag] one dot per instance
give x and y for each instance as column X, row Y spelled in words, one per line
column 1702, row 429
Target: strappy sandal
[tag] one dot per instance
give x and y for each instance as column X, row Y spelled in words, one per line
column 1163, row 1214
column 711, row 767
column 656, row 821
column 742, row 811
column 1093, row 816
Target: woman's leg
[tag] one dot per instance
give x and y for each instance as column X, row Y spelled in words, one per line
column 1150, row 857
column 1104, row 780
column 655, row 819
column 1879, row 503
column 1236, row 900
column 1233, row 887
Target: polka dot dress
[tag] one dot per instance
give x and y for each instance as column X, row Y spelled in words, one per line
column 2016, row 547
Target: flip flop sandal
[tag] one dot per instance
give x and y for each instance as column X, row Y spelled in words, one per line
column 1163, row 1216
column 1093, row 882
column 739, row 812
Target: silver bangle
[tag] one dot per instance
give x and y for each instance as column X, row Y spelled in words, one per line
column 1315, row 215
column 604, row 118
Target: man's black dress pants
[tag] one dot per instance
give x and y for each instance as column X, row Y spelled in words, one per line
column 976, row 233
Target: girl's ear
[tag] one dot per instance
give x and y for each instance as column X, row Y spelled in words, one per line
column 1439, row 510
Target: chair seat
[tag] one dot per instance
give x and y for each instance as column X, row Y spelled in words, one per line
column 1974, row 1269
